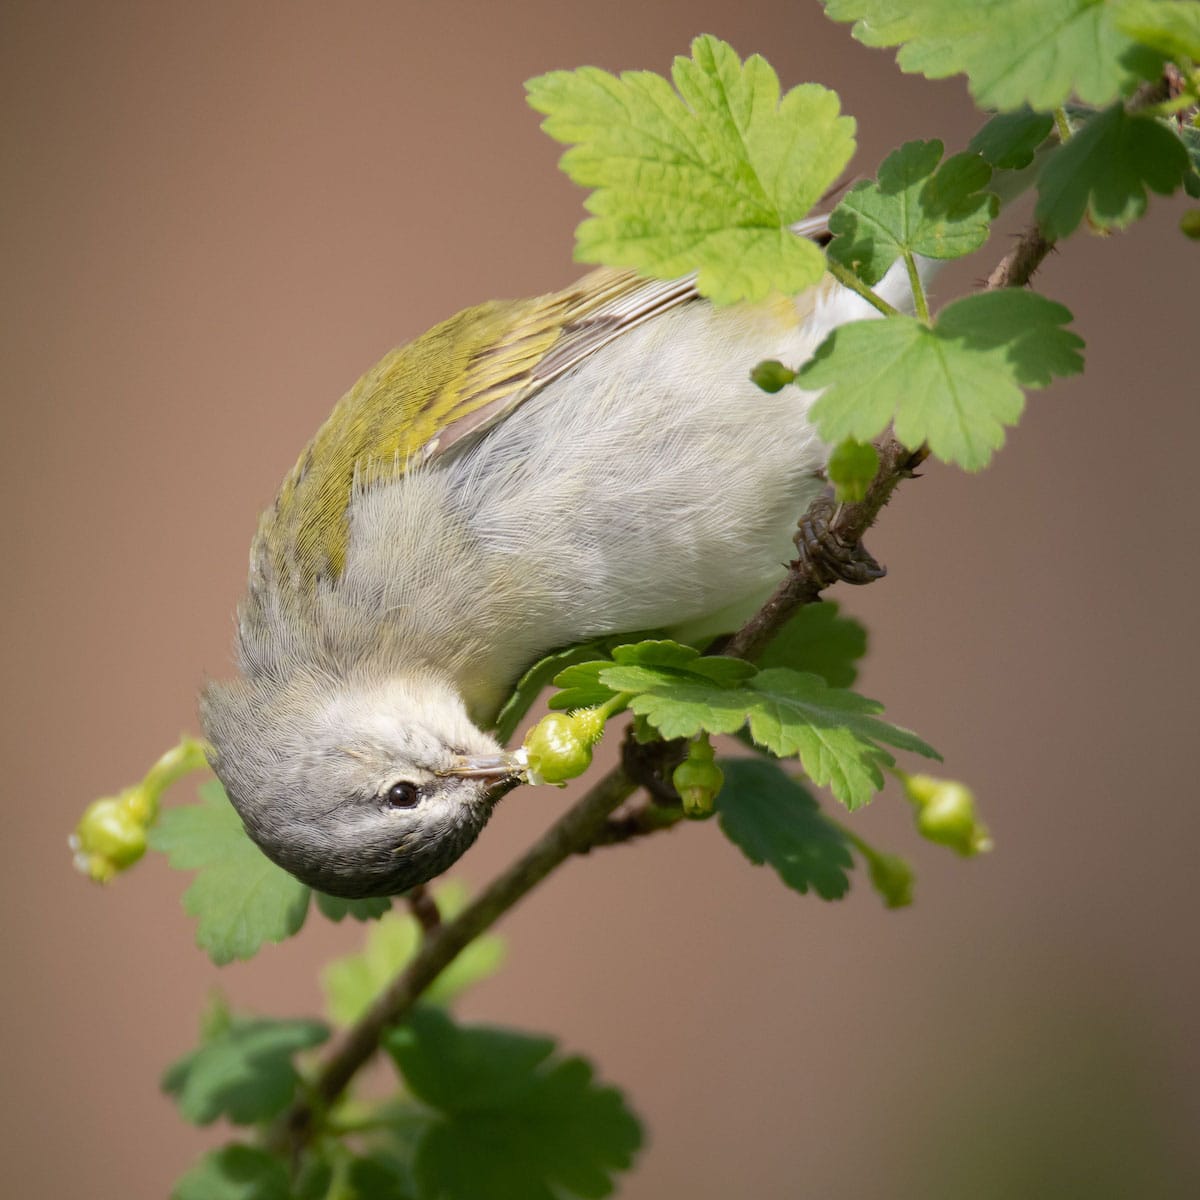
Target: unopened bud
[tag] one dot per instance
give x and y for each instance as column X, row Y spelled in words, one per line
column 892, row 878
column 698, row 779
column 111, row 835
column 559, row 747
column 946, row 814
column 772, row 376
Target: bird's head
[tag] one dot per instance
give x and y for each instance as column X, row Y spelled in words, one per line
column 358, row 787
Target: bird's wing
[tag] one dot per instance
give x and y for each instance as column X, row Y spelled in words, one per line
column 440, row 393
column 585, row 317
column 570, row 326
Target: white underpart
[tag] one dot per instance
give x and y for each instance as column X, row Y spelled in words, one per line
column 652, row 487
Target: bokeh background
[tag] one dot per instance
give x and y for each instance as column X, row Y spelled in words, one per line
column 215, row 216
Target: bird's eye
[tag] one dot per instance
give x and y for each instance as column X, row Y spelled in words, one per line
column 402, row 795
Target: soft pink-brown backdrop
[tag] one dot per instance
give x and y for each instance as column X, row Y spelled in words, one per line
column 215, row 216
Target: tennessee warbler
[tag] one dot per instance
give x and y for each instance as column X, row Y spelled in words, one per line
column 526, row 475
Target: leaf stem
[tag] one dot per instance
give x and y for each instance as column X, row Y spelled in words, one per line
column 848, row 279
column 920, row 303
column 1062, row 125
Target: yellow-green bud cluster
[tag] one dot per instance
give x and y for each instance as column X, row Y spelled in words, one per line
column 698, row 779
column 946, row 814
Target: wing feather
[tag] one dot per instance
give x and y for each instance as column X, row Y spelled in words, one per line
column 436, row 396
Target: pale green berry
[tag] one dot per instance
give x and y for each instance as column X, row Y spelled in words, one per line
column 946, row 814
column 110, row 836
column 558, row 749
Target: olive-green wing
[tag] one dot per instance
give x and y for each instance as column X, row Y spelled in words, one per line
column 597, row 310
column 439, row 393
column 434, row 395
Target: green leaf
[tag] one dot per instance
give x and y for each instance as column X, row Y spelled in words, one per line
column 337, row 908
column 244, row 1072
column 1008, row 141
column 373, row 1177
column 835, row 733
column 851, row 468
column 820, row 640
column 352, row 983
column 1105, row 169
column 1191, row 143
column 240, row 898
column 1014, row 52
column 773, row 819
column 708, row 178
column 235, row 1172
column 516, row 1122
column 916, row 207
column 1171, row 27
column 539, row 676
column 955, row 386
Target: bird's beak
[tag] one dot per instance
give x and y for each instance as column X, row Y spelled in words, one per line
column 485, row 766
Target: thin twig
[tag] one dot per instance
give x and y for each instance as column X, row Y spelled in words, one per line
column 635, row 823
column 424, row 907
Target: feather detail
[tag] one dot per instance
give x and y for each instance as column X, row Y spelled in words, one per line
column 438, row 395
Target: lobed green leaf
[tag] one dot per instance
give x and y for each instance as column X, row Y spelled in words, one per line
column 243, row 1072
column 955, row 385
column 239, row 897
column 338, row 908
column 1013, row 52
column 918, row 205
column 836, row 734
column 709, row 177
column 1105, row 169
column 235, row 1172
column 1009, row 140
column 1171, row 27
column 515, row 1122
column 773, row 819
column 819, row 639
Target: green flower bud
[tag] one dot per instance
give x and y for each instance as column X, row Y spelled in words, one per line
column 559, row 747
column 772, row 376
column 946, row 814
column 892, row 878
column 698, row 779
column 851, row 469
column 1189, row 223
column 111, row 835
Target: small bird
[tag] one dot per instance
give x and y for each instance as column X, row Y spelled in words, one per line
column 526, row 475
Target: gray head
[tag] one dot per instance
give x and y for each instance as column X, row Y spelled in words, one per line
column 358, row 787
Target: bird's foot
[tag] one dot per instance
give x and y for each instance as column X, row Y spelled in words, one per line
column 827, row 555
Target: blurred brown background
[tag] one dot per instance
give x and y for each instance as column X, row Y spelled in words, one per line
column 215, row 216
